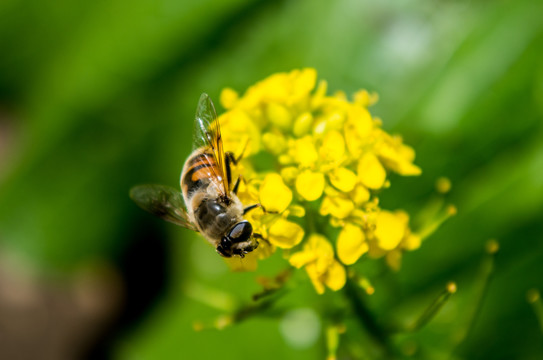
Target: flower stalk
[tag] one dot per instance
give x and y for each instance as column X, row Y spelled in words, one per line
column 333, row 333
column 534, row 299
column 484, row 277
column 367, row 320
column 431, row 311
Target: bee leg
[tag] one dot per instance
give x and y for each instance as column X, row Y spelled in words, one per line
column 251, row 207
column 230, row 159
column 239, row 252
column 260, row 237
column 264, row 209
column 234, row 159
column 236, row 185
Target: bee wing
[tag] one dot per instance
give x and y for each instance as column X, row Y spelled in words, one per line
column 207, row 134
column 163, row 201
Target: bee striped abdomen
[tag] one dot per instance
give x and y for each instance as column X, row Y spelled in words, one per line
column 199, row 169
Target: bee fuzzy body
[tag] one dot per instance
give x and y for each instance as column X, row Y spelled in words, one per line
column 207, row 202
column 211, row 213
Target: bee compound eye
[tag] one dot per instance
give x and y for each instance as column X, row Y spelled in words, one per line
column 241, row 231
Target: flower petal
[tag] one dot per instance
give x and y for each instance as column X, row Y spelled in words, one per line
column 394, row 259
column 315, row 277
column 275, row 143
column 396, row 156
column 303, row 151
column 389, row 230
column 303, row 82
column 237, row 127
column 336, row 206
column 319, row 243
column 333, row 146
column 364, row 98
column 335, row 277
column 296, row 211
column 289, row 174
column 310, row 185
column 371, row 172
column 351, row 244
column 302, row 124
column 274, row 195
column 361, row 119
column 412, row 242
column 360, row 195
column 279, row 116
column 228, row 98
column 285, row 234
column 301, row 258
column 343, row 179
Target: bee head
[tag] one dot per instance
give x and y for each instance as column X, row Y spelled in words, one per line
column 238, row 240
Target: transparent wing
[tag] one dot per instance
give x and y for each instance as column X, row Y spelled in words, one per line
column 163, row 201
column 207, row 135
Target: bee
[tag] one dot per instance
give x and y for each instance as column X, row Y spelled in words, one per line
column 208, row 203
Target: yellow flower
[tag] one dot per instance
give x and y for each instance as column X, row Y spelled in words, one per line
column 285, row 234
column 371, row 172
column 310, row 185
column 318, row 258
column 327, row 158
column 229, row 98
column 343, row 179
column 351, row 244
column 390, row 229
column 338, row 206
column 395, row 155
column 303, row 151
column 333, row 147
column 392, row 236
column 239, row 129
column 275, row 196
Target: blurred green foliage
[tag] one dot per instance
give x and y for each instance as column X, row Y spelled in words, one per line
column 98, row 96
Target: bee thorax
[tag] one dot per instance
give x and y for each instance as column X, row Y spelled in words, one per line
column 215, row 218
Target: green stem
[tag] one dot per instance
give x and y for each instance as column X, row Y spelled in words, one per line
column 367, row 321
column 332, row 340
column 255, row 309
column 534, row 298
column 434, row 308
column 276, row 284
column 310, row 219
column 485, row 276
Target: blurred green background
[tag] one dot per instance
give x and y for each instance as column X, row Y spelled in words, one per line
column 98, row 96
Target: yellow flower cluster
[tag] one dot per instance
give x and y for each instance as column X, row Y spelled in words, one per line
column 329, row 158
